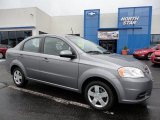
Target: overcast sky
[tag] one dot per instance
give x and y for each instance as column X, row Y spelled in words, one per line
column 76, row 7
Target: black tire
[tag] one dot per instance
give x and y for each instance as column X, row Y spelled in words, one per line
column 111, row 97
column 22, row 82
column 4, row 56
column 149, row 56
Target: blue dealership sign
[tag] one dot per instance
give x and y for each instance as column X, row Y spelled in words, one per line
column 91, row 24
column 135, row 28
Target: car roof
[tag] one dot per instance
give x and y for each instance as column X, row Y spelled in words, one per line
column 50, row 35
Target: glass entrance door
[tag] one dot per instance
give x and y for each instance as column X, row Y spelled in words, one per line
column 110, row 45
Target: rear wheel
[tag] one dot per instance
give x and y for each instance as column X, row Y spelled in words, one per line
column 19, row 78
column 99, row 95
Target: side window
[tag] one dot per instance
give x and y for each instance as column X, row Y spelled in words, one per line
column 32, row 45
column 53, row 46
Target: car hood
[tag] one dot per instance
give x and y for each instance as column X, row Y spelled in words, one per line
column 119, row 60
column 144, row 49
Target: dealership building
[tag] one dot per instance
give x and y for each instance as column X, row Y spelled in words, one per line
column 133, row 27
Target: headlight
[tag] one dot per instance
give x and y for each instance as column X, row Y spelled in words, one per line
column 130, row 72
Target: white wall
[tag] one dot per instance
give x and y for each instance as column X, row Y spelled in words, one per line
column 26, row 17
column 17, row 17
column 63, row 24
column 155, row 22
column 43, row 21
column 109, row 20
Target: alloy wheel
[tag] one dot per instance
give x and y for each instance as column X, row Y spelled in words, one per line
column 17, row 77
column 98, row 96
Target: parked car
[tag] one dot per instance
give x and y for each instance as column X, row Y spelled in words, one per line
column 3, row 49
column 146, row 52
column 76, row 64
column 155, row 57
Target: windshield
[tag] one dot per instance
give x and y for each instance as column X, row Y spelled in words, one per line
column 87, row 46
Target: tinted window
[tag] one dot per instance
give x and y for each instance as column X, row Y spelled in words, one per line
column 12, row 38
column 32, row 45
column 155, row 39
column 27, row 34
column 20, row 36
column 4, row 37
column 54, row 46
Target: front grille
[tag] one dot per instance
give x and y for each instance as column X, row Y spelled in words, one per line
column 157, row 60
column 143, row 94
column 157, row 55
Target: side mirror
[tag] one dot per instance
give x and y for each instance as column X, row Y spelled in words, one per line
column 67, row 54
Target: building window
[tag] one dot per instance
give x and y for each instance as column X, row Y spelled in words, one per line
column 4, row 37
column 155, row 39
column 20, row 36
column 27, row 34
column 12, row 38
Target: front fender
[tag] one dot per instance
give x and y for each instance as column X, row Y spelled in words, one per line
column 104, row 74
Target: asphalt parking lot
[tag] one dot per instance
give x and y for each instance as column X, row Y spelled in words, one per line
column 43, row 102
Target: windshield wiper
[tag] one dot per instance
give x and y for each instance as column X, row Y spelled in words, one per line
column 95, row 52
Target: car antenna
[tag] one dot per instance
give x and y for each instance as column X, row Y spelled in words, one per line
column 72, row 30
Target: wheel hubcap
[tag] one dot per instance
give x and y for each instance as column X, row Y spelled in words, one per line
column 17, row 77
column 98, row 96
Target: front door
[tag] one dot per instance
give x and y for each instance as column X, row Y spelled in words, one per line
column 55, row 69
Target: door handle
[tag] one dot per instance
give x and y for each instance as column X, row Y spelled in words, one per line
column 46, row 59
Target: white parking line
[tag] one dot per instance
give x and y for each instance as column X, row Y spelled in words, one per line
column 2, row 60
column 56, row 99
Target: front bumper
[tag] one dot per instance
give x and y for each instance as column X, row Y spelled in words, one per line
column 155, row 60
column 136, row 90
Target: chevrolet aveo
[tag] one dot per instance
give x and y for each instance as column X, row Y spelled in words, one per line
column 76, row 64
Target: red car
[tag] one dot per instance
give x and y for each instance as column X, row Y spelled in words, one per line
column 3, row 49
column 146, row 52
column 155, row 57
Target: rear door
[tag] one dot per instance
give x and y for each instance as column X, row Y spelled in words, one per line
column 29, row 56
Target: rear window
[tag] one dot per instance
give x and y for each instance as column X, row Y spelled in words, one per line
column 32, row 45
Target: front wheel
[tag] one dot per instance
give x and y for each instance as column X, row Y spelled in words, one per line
column 99, row 95
column 19, row 78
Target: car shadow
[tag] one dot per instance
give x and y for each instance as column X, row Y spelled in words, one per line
column 76, row 97
column 156, row 65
